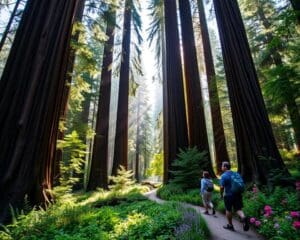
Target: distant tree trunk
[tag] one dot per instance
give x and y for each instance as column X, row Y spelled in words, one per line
column 99, row 166
column 138, row 142
column 31, row 89
column 64, row 108
column 10, row 21
column 196, row 118
column 175, row 122
column 217, row 123
column 121, row 139
column 254, row 136
column 296, row 7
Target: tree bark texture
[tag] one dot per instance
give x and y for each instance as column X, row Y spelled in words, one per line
column 121, row 138
column 31, row 94
column 217, row 123
column 99, row 166
column 254, row 136
column 195, row 109
column 66, row 92
column 175, row 122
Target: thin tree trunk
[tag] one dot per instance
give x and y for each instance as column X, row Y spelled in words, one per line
column 99, row 165
column 196, row 117
column 217, row 123
column 121, row 139
column 10, row 21
column 175, row 122
column 137, row 152
column 296, row 7
column 32, row 87
column 254, row 136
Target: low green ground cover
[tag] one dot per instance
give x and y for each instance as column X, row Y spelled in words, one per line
column 107, row 215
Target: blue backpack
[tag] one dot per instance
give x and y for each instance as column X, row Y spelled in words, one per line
column 237, row 183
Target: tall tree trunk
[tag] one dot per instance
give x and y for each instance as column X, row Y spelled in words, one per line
column 32, row 87
column 99, row 166
column 138, row 142
column 64, row 109
column 10, row 21
column 175, row 122
column 196, row 118
column 217, row 123
column 296, row 7
column 121, row 139
column 254, row 136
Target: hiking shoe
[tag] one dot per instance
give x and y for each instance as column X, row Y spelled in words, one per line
column 214, row 211
column 245, row 224
column 206, row 212
column 229, row 227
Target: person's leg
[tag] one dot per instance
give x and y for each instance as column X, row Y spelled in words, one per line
column 204, row 200
column 228, row 207
column 238, row 204
column 229, row 217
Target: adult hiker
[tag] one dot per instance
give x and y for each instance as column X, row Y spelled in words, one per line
column 207, row 187
column 231, row 188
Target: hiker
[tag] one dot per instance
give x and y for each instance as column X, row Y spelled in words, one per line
column 232, row 197
column 207, row 187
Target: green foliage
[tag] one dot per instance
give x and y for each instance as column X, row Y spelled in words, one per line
column 277, row 222
column 133, row 218
column 156, row 165
column 123, row 181
column 76, row 150
column 188, row 167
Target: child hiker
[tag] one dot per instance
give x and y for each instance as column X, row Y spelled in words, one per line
column 206, row 190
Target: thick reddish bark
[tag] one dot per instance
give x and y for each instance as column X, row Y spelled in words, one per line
column 196, row 118
column 254, row 136
column 98, row 173
column 217, row 123
column 175, row 122
column 32, row 87
column 121, row 139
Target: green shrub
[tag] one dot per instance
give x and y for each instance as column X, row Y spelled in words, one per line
column 188, row 167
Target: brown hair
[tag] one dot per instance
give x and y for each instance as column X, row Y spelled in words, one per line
column 206, row 174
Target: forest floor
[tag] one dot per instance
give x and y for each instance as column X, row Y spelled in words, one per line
column 216, row 222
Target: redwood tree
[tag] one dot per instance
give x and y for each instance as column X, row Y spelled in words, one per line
column 175, row 123
column 98, row 173
column 254, row 136
column 195, row 109
column 31, row 94
column 121, row 138
column 217, row 123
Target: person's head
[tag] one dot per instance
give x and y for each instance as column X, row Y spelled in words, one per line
column 206, row 174
column 225, row 166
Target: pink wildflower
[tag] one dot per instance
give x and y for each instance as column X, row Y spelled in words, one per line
column 267, row 215
column 252, row 220
column 257, row 223
column 296, row 224
column 294, row 214
column 268, row 210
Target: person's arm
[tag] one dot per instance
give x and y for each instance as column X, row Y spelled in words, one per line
column 202, row 185
column 222, row 187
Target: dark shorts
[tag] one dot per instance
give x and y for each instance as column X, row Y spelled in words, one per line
column 234, row 201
